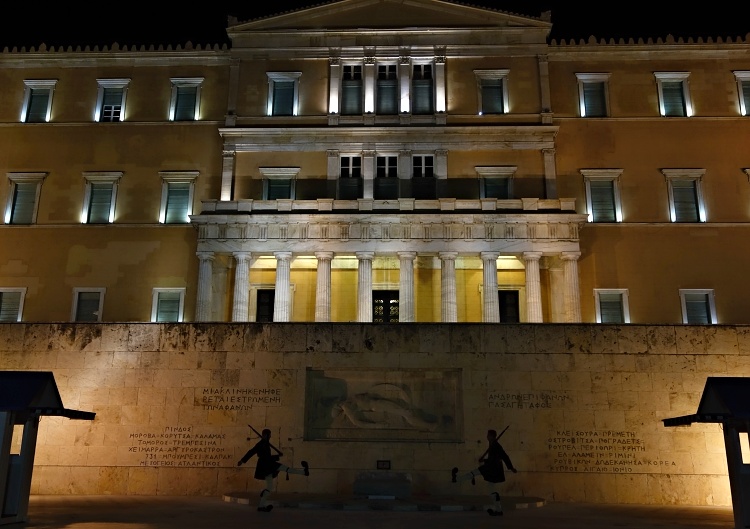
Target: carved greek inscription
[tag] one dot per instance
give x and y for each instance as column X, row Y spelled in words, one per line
column 527, row 400
column 179, row 446
column 237, row 399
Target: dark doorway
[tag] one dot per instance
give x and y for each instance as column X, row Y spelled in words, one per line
column 385, row 306
column 264, row 311
column 509, row 311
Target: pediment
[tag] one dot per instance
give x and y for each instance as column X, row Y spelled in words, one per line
column 388, row 14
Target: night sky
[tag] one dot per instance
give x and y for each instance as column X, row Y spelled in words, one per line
column 205, row 23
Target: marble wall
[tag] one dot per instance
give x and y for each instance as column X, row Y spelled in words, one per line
column 582, row 404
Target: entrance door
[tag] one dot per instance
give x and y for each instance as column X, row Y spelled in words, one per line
column 265, row 305
column 385, row 306
column 509, row 307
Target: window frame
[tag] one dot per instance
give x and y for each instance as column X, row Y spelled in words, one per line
column 504, row 172
column 104, row 84
column 681, row 77
column 695, row 175
column 583, row 79
column 709, row 292
column 37, row 84
column 623, row 292
column 79, row 290
column 497, row 74
column 744, row 95
column 16, row 178
column 155, row 303
column 279, row 173
column 185, row 82
column 22, row 291
column 275, row 77
column 107, row 177
column 176, row 177
column 612, row 175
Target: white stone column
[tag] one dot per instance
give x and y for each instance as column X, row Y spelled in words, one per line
column 240, row 301
column 323, row 286
column 204, row 302
column 227, row 174
column 369, row 84
column 406, row 286
column 282, row 303
column 449, row 308
column 364, row 286
column 404, row 82
column 572, row 294
column 368, row 174
column 533, row 287
column 490, row 303
column 334, row 75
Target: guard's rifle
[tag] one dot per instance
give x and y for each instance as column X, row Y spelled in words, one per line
column 269, row 443
column 496, row 438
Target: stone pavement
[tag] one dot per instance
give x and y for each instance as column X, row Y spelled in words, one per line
column 318, row 512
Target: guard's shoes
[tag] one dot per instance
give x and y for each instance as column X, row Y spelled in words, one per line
column 493, row 512
column 267, row 508
column 306, row 467
column 453, row 474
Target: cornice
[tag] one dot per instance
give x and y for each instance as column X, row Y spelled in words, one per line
column 43, row 54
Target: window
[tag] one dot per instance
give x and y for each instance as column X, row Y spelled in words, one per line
column 422, row 166
column 350, row 178
column 612, row 305
column 37, row 101
column 283, row 93
column 167, row 304
column 186, row 99
column 386, row 178
column 11, row 304
column 87, row 304
column 387, row 91
column 110, row 101
column 99, row 199
column 496, row 182
column 23, row 198
column 698, row 306
column 177, row 196
column 603, row 194
column 593, row 94
column 685, row 195
column 422, row 85
column 743, row 89
column 493, row 91
column 351, row 90
column 278, row 182
column 674, row 95
column 423, row 183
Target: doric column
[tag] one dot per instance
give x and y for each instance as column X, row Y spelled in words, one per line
column 241, row 286
column 533, row 287
column 406, row 286
column 323, row 286
column 282, row 302
column 572, row 294
column 364, row 286
column 490, row 305
column 449, row 309
column 204, row 303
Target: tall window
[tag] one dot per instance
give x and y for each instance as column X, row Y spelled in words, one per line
column 386, row 178
column 350, row 178
column 278, row 182
column 387, row 90
column 23, row 199
column 177, row 196
column 743, row 89
column 351, row 90
column 593, row 94
column 100, row 196
column 11, row 304
column 283, row 93
column 496, row 181
column 492, row 91
column 185, row 102
column 423, row 182
column 110, row 101
column 423, row 89
column 612, row 305
column 167, row 304
column 37, row 100
column 685, row 195
column 698, row 306
column 603, row 194
column 674, row 94
column 87, row 304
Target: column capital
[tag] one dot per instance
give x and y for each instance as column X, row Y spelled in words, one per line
column 532, row 256
column 570, row 256
column 324, row 256
column 283, row 256
column 448, row 256
column 407, row 255
column 242, row 256
column 205, row 256
column 489, row 256
column 365, row 256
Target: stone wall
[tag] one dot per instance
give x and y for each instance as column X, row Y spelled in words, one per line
column 582, row 404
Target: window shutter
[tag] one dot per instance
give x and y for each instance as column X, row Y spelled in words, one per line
column 674, row 98
column 697, row 309
column 184, row 106
column 492, row 96
column 178, row 197
column 351, row 97
column 387, row 97
column 283, row 98
column 24, row 201
column 602, row 200
column 594, row 99
column 279, row 188
column 422, row 98
column 101, row 203
column 611, row 308
column 38, row 103
column 10, row 303
column 685, row 198
column 168, row 306
column 87, row 308
column 497, row 188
